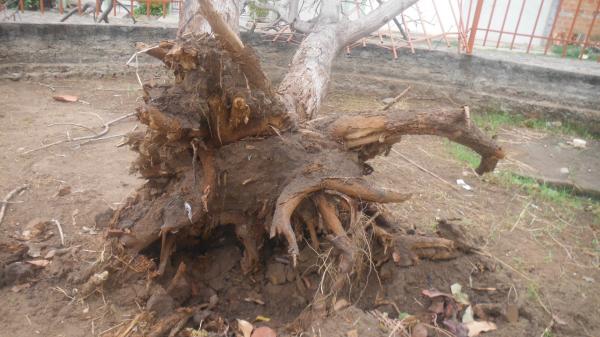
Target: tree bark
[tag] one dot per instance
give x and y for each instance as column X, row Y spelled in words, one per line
column 305, row 85
column 192, row 22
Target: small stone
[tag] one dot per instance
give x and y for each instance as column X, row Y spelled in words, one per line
column 387, row 100
column 264, row 331
column 554, row 124
column 64, row 191
column 564, row 170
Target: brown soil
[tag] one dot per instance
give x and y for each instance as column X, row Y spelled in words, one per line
column 548, row 258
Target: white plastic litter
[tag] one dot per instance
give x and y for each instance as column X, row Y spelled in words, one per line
column 464, row 185
column 579, row 143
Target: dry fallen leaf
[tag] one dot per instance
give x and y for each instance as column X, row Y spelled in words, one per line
column 477, row 327
column 245, row 327
column 65, row 98
column 340, row 304
column 39, row 263
column 261, row 318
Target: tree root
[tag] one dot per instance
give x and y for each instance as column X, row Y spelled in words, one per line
column 296, row 191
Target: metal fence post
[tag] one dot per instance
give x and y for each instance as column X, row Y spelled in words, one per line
column 473, row 31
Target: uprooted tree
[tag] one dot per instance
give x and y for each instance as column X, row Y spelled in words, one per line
column 225, row 147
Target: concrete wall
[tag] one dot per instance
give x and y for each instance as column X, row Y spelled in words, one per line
column 30, row 50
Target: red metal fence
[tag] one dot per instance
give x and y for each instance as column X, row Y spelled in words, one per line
column 574, row 25
column 566, row 28
column 563, row 27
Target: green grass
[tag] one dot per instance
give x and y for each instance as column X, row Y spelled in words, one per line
column 533, row 291
column 492, row 121
column 463, row 154
column 573, row 52
column 559, row 196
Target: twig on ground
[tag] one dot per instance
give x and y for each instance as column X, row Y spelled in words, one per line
column 131, row 325
column 47, row 86
column 60, row 231
column 520, row 216
column 7, row 198
column 109, row 137
column 397, row 98
column 95, row 136
column 75, row 124
column 425, row 170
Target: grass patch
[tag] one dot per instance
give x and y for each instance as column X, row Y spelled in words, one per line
column 463, row 154
column 492, row 121
column 573, row 52
column 560, row 196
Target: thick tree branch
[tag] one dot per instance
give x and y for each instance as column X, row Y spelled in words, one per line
column 375, row 132
column 354, row 30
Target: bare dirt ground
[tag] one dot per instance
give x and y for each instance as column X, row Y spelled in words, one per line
column 545, row 255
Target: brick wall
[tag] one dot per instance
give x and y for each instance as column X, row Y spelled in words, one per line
column 584, row 19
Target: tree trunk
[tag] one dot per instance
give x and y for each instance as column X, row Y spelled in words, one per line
column 192, row 22
column 304, row 86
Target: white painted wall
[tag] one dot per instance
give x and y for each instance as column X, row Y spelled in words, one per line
column 526, row 25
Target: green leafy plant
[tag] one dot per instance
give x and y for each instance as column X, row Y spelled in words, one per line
column 255, row 12
column 27, row 4
column 573, row 52
column 156, row 9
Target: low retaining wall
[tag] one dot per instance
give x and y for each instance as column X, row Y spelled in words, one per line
column 34, row 50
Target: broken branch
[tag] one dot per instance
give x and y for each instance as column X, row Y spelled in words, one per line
column 7, row 198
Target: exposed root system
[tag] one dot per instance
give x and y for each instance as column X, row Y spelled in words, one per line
column 221, row 150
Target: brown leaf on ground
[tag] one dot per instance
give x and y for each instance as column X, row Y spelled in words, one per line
column 264, row 331
column 34, row 230
column 477, row 327
column 65, row 98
